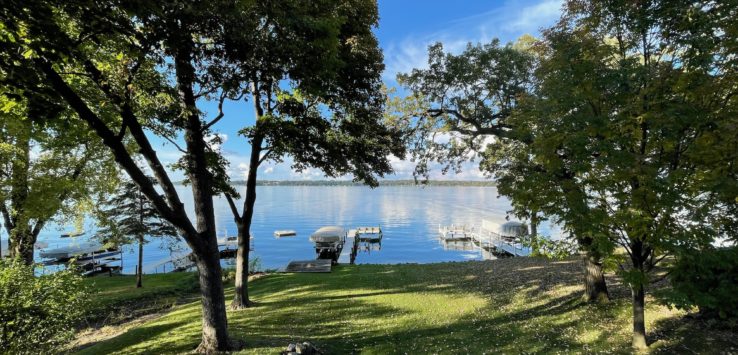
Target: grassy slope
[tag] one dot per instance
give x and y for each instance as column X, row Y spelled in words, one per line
column 511, row 306
column 118, row 298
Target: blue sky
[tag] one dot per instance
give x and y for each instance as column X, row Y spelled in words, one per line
column 406, row 28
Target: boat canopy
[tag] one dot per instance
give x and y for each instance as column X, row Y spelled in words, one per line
column 513, row 229
column 72, row 250
column 330, row 234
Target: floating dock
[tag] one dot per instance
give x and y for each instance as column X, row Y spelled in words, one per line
column 285, row 233
column 318, row 265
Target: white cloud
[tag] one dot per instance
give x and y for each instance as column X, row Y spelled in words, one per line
column 211, row 140
column 532, row 18
column 507, row 22
column 269, row 170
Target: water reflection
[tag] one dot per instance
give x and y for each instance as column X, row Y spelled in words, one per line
column 409, row 218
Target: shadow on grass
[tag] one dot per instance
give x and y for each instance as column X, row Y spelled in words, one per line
column 511, row 306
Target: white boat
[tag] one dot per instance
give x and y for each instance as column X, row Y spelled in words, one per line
column 73, row 250
column 513, row 229
column 284, row 233
column 329, row 234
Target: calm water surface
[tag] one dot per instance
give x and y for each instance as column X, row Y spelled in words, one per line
column 409, row 217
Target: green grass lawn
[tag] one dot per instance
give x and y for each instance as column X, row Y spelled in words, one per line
column 117, row 298
column 503, row 306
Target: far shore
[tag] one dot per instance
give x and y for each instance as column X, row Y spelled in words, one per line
column 418, row 183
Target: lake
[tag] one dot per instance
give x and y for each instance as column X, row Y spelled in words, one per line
column 409, row 217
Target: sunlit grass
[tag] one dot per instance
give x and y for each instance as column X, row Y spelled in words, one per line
column 504, row 306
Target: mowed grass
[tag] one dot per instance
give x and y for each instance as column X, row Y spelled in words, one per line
column 521, row 305
column 117, row 296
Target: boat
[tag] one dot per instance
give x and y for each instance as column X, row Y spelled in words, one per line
column 81, row 251
column 329, row 234
column 329, row 242
column 90, row 257
column 284, row 233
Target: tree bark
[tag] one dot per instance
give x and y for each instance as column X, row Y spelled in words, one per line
column 214, row 318
column 595, row 287
column 20, row 234
column 214, row 323
column 639, row 317
column 241, row 296
column 638, row 255
column 139, row 269
column 202, row 239
column 534, row 225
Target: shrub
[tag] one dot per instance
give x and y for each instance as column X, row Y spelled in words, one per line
column 38, row 314
column 707, row 279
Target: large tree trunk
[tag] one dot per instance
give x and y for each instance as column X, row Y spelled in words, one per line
column 215, row 325
column 139, row 269
column 595, row 287
column 638, row 256
column 20, row 235
column 21, row 244
column 639, row 317
column 214, row 321
column 534, row 221
column 241, row 296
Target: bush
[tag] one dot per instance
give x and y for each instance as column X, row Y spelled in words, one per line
column 38, row 314
column 706, row 279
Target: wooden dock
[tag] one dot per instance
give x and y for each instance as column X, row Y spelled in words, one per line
column 317, row 265
column 348, row 252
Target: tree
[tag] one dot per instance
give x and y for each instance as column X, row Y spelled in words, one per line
column 126, row 52
column 129, row 217
column 313, row 77
column 106, row 56
column 631, row 98
column 49, row 168
column 463, row 107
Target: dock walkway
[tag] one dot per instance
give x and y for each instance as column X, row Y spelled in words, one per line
column 348, row 252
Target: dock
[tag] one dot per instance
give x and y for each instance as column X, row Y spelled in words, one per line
column 317, row 265
column 227, row 249
column 490, row 238
column 455, row 232
column 369, row 234
column 333, row 245
column 348, row 252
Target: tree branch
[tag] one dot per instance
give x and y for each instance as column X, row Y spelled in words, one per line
column 175, row 144
column 234, row 209
column 264, row 157
column 175, row 213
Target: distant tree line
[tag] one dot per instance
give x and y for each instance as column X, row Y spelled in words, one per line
column 379, row 183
